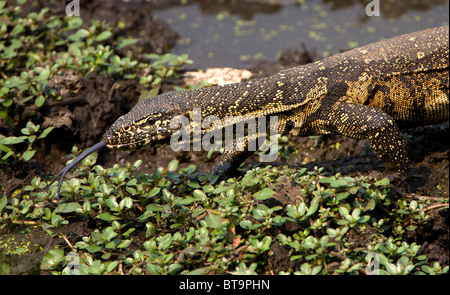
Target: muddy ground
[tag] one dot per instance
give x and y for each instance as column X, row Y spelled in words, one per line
column 90, row 105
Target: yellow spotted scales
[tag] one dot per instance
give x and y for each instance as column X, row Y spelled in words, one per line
column 364, row 93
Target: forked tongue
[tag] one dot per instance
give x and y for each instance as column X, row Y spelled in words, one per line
column 72, row 164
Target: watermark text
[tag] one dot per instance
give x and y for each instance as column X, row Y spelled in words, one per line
column 232, row 134
column 73, row 8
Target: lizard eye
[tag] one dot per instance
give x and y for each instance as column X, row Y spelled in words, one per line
column 151, row 121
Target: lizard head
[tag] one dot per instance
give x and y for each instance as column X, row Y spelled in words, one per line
column 146, row 124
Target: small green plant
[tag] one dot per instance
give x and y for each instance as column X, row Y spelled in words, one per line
column 305, row 269
column 409, row 216
column 168, row 222
column 29, row 137
column 161, row 67
column 352, row 219
column 38, row 46
column 434, row 269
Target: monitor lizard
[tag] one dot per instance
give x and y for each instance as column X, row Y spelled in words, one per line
column 364, row 93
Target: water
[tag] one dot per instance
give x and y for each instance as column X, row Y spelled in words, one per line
column 217, row 34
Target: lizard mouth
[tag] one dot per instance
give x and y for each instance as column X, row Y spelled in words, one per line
column 124, row 140
column 135, row 145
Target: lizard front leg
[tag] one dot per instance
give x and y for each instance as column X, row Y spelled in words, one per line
column 241, row 146
column 228, row 162
column 362, row 122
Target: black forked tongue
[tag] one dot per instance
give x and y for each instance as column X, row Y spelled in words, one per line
column 72, row 164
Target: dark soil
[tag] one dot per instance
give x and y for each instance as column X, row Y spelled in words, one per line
column 90, row 105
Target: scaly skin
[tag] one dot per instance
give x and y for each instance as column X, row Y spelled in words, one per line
column 364, row 93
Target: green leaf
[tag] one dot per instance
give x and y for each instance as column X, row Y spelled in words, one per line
column 183, row 202
column 382, row 182
column 126, row 202
column 32, row 127
column 103, row 36
column 247, row 224
column 413, row 205
column 266, row 242
column 74, row 22
column 126, row 42
column 213, row 220
column 45, row 132
column 81, row 33
column 14, row 82
column 208, row 188
column 342, row 196
column 194, row 184
column 75, row 50
column 197, row 211
column 25, row 131
column 199, row 195
column 153, row 269
column 27, row 155
column 355, row 213
column 13, row 139
column 364, row 219
column 370, row 205
column 313, row 206
column 354, row 190
column 8, row 102
column 174, row 268
column 154, row 208
column 7, row 155
column 3, row 202
column 115, row 59
column 219, row 190
column 52, row 258
column 112, row 203
column 199, row 271
column 124, row 244
column 68, row 207
column 305, row 268
column 39, row 101
column 263, row 194
column 344, row 211
column 106, row 217
column 110, row 266
column 31, row 138
column 391, row 268
column 316, row 270
column 56, row 219
column 173, row 165
column 338, row 183
column 154, row 192
column 43, row 76
column 93, row 248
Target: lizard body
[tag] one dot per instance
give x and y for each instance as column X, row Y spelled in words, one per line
column 364, row 93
